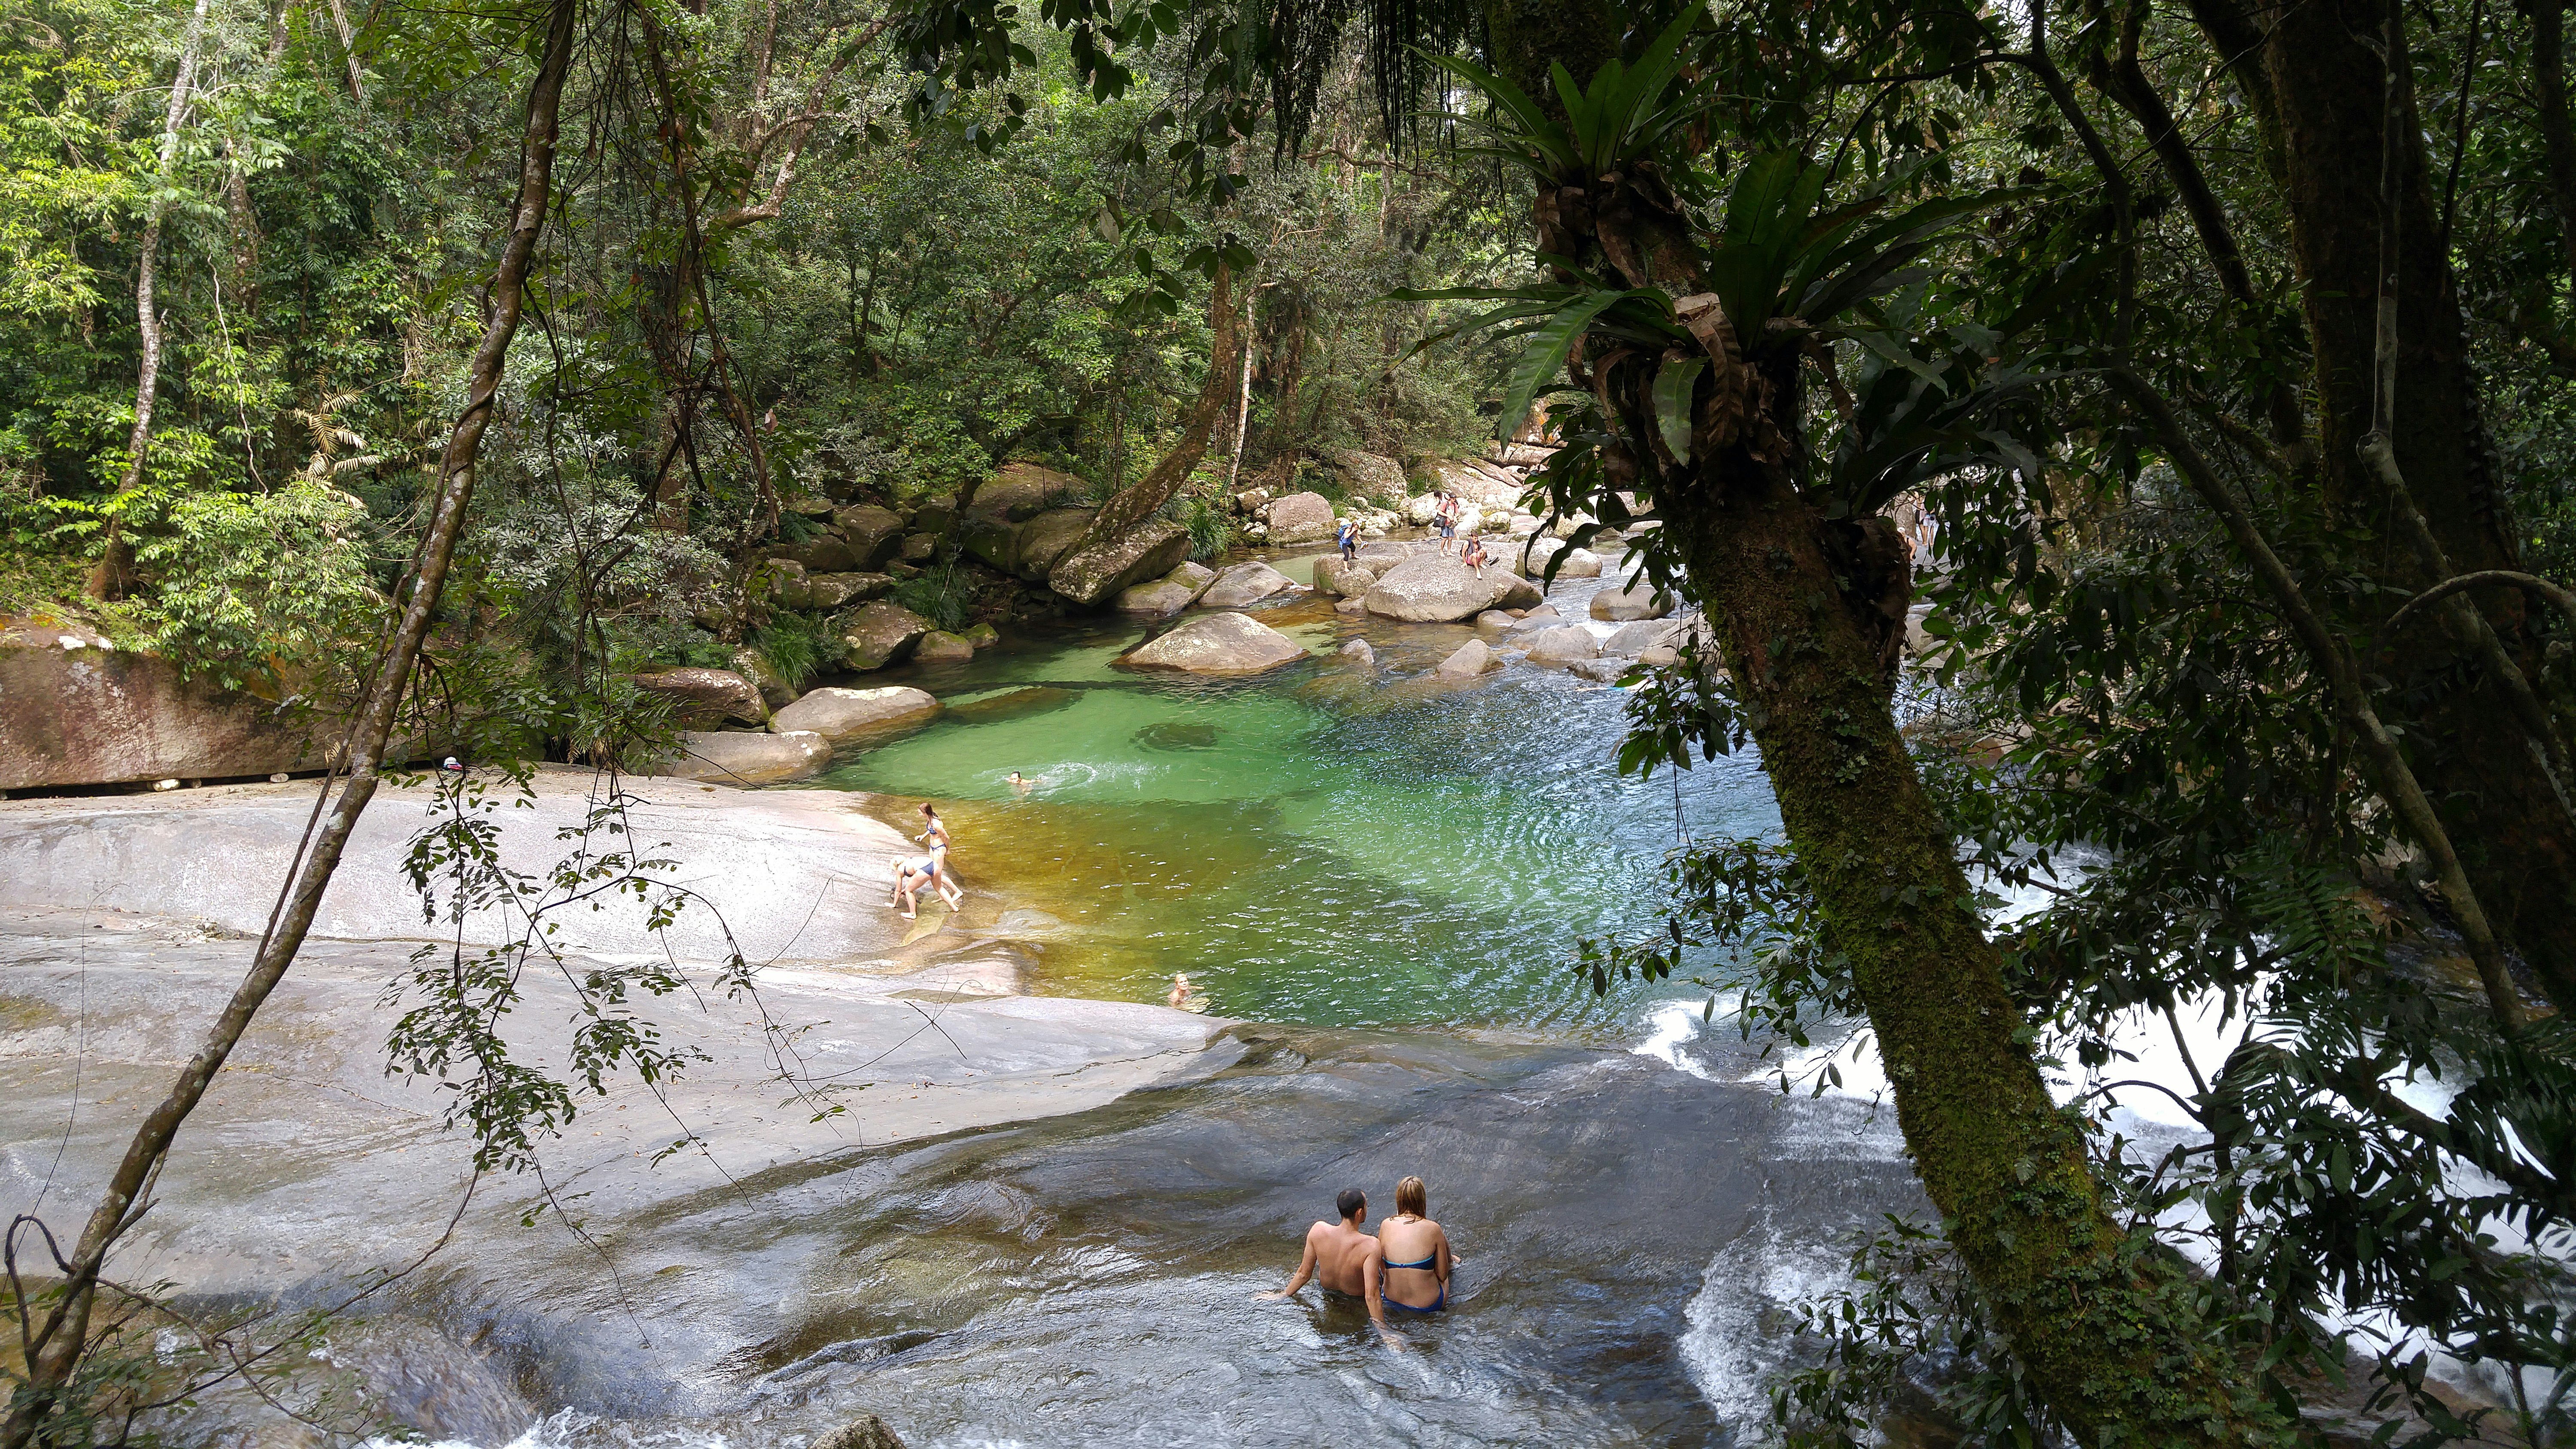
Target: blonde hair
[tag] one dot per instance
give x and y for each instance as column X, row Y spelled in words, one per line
column 1412, row 1197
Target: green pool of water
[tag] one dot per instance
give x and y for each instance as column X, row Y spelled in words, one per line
column 1322, row 844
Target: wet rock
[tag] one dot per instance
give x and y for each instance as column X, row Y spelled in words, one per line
column 1173, row 735
column 1016, row 704
column 1635, row 639
column 1579, row 563
column 1659, row 655
column 1360, row 652
column 742, row 758
column 839, row 714
column 1471, row 659
column 941, row 647
column 1169, row 594
column 875, row 535
column 1218, row 644
column 1351, row 606
column 832, row 591
column 1350, row 580
column 1563, row 644
column 754, row 666
column 984, row 636
column 1368, row 475
column 1243, row 584
column 705, row 698
column 1494, row 622
column 1090, row 576
column 1432, row 589
column 1301, row 517
column 1607, row 669
column 880, row 634
column 1516, row 592
column 1640, row 602
column 866, row 1432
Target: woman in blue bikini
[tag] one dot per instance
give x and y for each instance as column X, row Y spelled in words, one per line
column 1418, row 1260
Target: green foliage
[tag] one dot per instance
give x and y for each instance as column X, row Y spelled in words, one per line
column 794, row 646
column 266, row 591
column 939, row 595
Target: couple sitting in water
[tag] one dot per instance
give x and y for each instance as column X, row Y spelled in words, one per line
column 1406, row 1266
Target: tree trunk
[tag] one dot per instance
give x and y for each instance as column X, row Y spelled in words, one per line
column 1078, row 573
column 2501, row 802
column 55, row 1345
column 2110, row 1337
column 116, row 561
column 1808, row 612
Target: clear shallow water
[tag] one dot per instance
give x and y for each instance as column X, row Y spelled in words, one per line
column 1323, row 844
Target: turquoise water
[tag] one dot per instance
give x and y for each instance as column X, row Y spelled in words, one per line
column 1322, row 844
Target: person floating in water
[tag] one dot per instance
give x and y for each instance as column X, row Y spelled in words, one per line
column 1021, row 782
column 1415, row 1252
column 1347, row 1260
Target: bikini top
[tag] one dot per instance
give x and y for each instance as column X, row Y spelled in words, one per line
column 1427, row 1262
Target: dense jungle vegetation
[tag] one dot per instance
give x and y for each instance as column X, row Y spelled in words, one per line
column 2228, row 343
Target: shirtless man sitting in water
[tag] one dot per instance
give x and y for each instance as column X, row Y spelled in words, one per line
column 1347, row 1260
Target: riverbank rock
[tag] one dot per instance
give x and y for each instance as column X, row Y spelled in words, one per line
column 1020, row 491
column 1218, row 644
column 732, row 757
column 1606, row 669
column 1633, row 640
column 1301, row 518
column 941, row 647
column 880, row 634
column 1169, row 594
column 875, row 534
column 1432, row 589
column 1368, row 475
column 1579, row 563
column 705, row 698
column 1619, row 606
column 1091, row 576
column 1349, row 580
column 1515, row 592
column 838, row 714
column 1563, row 644
column 1471, row 659
column 1494, row 622
column 831, row 591
column 76, row 710
column 1245, row 583
column 757, row 671
column 1359, row 652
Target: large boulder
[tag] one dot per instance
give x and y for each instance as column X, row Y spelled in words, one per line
column 1350, row 580
column 789, row 587
column 1561, row 645
column 705, row 698
column 1089, row 576
column 1471, row 659
column 832, row 591
column 1579, row 563
column 76, row 710
column 1169, row 594
column 1022, row 491
column 1359, row 652
column 1474, row 483
column 941, row 647
column 1516, row 592
column 1631, row 641
column 838, row 714
column 1029, row 548
column 755, row 667
column 1387, row 551
column 1245, row 583
column 874, row 534
column 1368, row 475
column 881, row 633
column 1301, row 518
column 1619, row 606
column 1494, row 622
column 824, row 553
column 737, row 758
column 1419, row 511
column 1432, row 588
column 1218, row 644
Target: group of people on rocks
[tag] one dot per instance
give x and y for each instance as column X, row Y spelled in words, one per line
column 1445, row 514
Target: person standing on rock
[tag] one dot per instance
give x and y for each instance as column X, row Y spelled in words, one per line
column 1348, row 538
column 1446, row 516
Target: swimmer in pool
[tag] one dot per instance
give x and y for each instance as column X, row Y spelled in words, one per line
column 1182, row 991
column 1415, row 1253
column 1021, row 782
column 1347, row 1260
